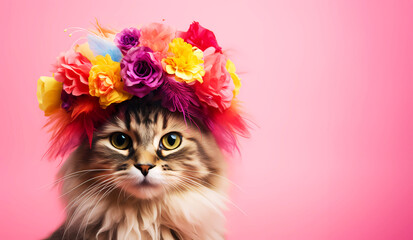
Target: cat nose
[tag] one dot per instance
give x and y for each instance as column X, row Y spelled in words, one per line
column 144, row 168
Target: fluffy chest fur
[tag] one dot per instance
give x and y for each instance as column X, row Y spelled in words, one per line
column 188, row 216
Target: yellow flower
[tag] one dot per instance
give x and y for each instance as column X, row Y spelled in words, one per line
column 237, row 81
column 185, row 62
column 105, row 81
column 48, row 94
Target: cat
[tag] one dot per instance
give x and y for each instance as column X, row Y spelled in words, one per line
column 148, row 174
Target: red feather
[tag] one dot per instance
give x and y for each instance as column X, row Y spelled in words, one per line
column 70, row 128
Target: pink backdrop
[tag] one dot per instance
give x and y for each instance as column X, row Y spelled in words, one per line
column 328, row 82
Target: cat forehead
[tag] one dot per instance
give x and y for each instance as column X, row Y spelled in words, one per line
column 145, row 122
column 156, row 118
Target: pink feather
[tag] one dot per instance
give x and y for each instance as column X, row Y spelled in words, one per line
column 227, row 126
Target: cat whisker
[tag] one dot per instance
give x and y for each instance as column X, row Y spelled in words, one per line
column 189, row 187
column 85, row 192
column 177, row 188
column 214, row 174
column 218, row 194
column 71, row 175
column 120, row 192
column 88, row 195
column 90, row 192
column 107, row 192
column 196, row 179
column 90, row 189
column 84, row 182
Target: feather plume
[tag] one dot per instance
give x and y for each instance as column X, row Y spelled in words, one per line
column 103, row 31
column 100, row 46
column 178, row 96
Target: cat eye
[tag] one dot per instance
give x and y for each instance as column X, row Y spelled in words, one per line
column 120, row 140
column 171, row 141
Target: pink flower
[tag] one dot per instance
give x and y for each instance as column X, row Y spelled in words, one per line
column 217, row 88
column 157, row 37
column 200, row 37
column 72, row 69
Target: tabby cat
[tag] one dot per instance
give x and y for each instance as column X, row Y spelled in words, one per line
column 148, row 174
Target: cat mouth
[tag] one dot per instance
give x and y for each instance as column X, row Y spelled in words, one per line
column 146, row 183
column 145, row 189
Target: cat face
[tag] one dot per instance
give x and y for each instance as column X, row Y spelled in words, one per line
column 148, row 151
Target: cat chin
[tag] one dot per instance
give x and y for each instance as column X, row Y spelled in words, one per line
column 145, row 191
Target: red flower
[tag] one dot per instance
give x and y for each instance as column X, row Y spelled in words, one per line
column 200, row 37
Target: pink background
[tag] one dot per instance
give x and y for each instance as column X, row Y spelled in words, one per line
column 328, row 82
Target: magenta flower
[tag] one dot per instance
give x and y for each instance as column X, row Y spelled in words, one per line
column 127, row 39
column 140, row 71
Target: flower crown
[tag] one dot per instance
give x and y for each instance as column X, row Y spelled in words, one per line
column 188, row 70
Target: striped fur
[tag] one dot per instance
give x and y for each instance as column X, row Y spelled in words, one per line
column 182, row 197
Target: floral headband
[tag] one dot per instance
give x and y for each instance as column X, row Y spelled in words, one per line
column 188, row 70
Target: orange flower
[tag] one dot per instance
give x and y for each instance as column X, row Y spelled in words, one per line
column 105, row 81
